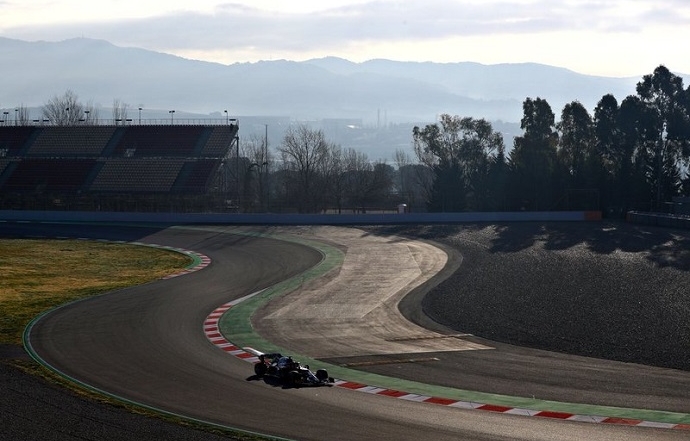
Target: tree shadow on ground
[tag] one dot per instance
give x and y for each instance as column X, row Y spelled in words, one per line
column 662, row 247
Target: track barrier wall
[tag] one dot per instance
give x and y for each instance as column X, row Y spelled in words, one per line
column 659, row 219
column 297, row 219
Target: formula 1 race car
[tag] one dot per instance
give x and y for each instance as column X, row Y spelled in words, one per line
column 288, row 371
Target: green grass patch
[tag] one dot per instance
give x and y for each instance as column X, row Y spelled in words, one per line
column 38, row 275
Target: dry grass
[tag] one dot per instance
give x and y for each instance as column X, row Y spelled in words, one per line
column 36, row 275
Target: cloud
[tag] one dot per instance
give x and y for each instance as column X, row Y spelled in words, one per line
column 235, row 26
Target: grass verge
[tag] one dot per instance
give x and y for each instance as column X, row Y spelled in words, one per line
column 38, row 275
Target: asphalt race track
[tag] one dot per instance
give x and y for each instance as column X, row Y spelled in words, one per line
column 146, row 344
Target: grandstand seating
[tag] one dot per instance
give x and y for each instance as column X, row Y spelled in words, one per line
column 194, row 176
column 158, row 141
column 3, row 164
column 71, row 141
column 217, row 143
column 150, row 176
column 92, row 159
column 13, row 139
column 53, row 175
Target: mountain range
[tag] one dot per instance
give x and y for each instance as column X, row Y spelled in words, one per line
column 34, row 72
column 376, row 93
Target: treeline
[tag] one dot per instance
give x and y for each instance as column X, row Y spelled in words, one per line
column 628, row 156
column 309, row 174
column 631, row 155
column 66, row 110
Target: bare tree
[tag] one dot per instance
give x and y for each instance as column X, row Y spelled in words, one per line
column 402, row 160
column 91, row 113
column 304, row 152
column 357, row 177
column 119, row 111
column 65, row 110
column 21, row 116
column 255, row 176
column 366, row 184
column 330, row 178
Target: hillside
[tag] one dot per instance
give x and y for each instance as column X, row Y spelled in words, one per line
column 96, row 70
column 370, row 106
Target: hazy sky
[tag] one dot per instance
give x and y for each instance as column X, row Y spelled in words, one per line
column 600, row 37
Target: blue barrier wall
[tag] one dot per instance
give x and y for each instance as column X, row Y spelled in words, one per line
column 294, row 219
column 655, row 219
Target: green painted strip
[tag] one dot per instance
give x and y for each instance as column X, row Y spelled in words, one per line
column 235, row 325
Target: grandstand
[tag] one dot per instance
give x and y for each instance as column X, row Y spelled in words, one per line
column 115, row 167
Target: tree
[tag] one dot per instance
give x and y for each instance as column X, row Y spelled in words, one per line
column 254, row 173
column 615, row 163
column 63, row 110
column 581, row 167
column 576, row 144
column 685, row 102
column 437, row 148
column 356, row 178
column 67, row 110
column 120, row 112
column 458, row 151
column 21, row 116
column 533, row 159
column 304, row 153
column 537, row 120
column 91, row 113
column 497, row 182
column 686, row 183
column 664, row 96
column 329, row 174
column 607, row 132
column 402, row 182
column 381, row 184
column 636, row 130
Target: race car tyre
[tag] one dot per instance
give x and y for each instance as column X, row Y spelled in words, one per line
column 322, row 375
column 260, row 369
column 294, row 377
